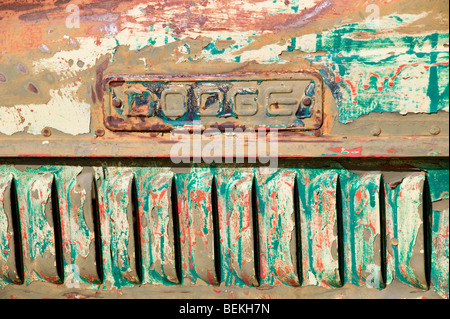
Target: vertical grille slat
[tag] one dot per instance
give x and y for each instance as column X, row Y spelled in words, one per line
column 10, row 261
column 437, row 210
column 277, row 237
column 37, row 220
column 405, row 229
column 156, row 226
column 194, row 191
column 362, row 229
column 319, row 227
column 77, row 221
column 117, row 231
column 235, row 210
column 440, row 250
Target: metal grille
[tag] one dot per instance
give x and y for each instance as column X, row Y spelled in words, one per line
column 112, row 227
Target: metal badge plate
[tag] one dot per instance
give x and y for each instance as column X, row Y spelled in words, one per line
column 162, row 103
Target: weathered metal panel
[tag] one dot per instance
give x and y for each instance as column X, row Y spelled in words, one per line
column 344, row 218
column 385, row 70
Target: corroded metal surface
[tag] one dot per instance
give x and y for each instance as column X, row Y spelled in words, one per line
column 161, row 103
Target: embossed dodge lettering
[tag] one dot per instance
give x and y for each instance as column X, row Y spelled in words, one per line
column 158, row 103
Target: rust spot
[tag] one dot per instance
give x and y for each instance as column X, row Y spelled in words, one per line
column 32, row 88
column 264, row 287
column 117, row 103
column 139, row 124
column 307, row 101
column 22, row 68
column 317, row 133
column 117, row 83
column 37, row 15
column 99, row 132
column 228, row 125
column 99, row 79
column 75, row 295
column 46, row 132
column 94, row 99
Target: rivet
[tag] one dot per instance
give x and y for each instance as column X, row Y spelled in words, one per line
column 117, row 103
column 375, row 131
column 307, row 101
column 99, row 132
column 435, row 130
column 46, row 132
column 394, row 241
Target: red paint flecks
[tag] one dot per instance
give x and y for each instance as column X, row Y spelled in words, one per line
column 353, row 152
column 393, row 150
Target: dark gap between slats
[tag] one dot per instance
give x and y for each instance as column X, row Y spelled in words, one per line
column 97, row 233
column 340, row 232
column 383, row 247
column 176, row 229
column 216, row 230
column 57, row 230
column 136, row 228
column 297, row 228
column 254, row 211
column 18, row 252
column 427, row 223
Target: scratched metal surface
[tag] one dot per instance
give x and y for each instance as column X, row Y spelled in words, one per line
column 117, row 227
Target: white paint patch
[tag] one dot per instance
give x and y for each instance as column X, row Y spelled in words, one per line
column 268, row 53
column 64, row 112
column 306, row 43
column 88, row 52
column 312, row 279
